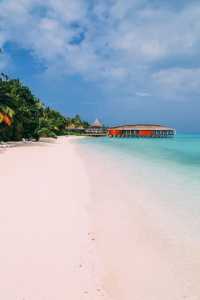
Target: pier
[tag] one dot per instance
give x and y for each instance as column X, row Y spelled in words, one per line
column 96, row 129
column 140, row 130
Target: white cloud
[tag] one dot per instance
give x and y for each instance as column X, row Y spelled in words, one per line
column 178, row 81
column 123, row 40
column 66, row 10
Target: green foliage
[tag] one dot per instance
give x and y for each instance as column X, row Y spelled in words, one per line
column 7, row 110
column 30, row 118
column 46, row 132
column 76, row 122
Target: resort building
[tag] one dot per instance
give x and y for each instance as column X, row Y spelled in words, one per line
column 73, row 129
column 96, row 129
column 141, row 130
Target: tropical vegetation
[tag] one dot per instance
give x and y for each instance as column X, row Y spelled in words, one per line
column 22, row 115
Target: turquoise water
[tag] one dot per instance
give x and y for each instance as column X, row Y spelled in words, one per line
column 183, row 150
column 181, row 153
column 168, row 170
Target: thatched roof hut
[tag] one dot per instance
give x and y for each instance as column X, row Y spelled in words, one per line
column 96, row 129
column 96, row 124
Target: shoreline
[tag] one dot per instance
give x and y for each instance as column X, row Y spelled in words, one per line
column 70, row 230
column 146, row 257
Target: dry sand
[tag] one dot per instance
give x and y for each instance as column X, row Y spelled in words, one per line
column 67, row 232
column 47, row 249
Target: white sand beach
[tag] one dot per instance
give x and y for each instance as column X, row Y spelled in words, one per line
column 66, row 235
column 47, row 248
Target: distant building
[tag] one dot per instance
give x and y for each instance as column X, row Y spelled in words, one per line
column 72, row 128
column 141, row 130
column 96, row 129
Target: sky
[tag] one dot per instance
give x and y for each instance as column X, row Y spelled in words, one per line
column 128, row 61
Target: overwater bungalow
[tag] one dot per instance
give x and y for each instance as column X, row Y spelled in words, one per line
column 96, row 129
column 141, row 130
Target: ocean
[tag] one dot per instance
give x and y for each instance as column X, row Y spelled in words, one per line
column 166, row 171
column 145, row 207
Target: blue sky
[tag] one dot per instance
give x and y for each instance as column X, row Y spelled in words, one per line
column 122, row 61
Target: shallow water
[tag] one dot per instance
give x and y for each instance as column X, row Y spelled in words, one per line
column 166, row 170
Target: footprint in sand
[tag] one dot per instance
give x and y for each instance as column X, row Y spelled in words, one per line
column 92, row 236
